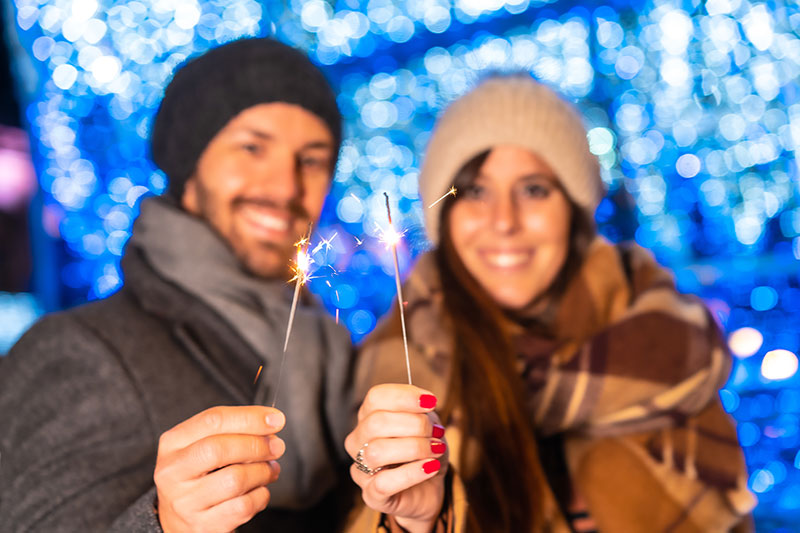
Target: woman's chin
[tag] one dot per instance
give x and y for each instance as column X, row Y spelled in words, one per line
column 513, row 300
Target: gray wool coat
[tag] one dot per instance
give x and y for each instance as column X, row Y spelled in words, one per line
column 86, row 393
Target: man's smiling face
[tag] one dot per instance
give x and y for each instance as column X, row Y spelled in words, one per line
column 261, row 180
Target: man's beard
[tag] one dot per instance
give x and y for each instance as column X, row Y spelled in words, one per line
column 257, row 261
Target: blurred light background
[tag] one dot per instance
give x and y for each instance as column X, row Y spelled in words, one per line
column 692, row 107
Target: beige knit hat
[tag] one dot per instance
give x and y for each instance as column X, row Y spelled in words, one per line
column 516, row 110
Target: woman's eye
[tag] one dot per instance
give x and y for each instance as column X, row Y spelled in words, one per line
column 472, row 191
column 535, row 190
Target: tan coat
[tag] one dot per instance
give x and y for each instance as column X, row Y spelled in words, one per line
column 656, row 477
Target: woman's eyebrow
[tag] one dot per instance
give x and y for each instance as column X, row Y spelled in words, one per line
column 539, row 176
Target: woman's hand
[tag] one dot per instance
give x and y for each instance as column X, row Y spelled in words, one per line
column 401, row 440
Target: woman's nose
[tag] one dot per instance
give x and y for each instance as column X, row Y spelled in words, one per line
column 505, row 215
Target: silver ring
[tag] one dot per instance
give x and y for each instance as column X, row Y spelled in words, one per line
column 361, row 465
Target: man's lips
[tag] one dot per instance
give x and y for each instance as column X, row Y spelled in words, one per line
column 268, row 221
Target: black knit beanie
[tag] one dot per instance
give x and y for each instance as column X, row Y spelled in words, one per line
column 209, row 90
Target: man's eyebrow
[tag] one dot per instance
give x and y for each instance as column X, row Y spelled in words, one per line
column 317, row 145
column 255, row 133
column 268, row 137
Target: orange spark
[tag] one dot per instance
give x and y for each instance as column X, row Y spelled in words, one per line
column 300, row 268
column 258, row 373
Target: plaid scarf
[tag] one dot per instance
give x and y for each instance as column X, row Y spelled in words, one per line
column 621, row 364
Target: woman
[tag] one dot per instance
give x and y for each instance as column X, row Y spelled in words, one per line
column 577, row 387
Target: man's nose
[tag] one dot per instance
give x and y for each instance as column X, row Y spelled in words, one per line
column 283, row 182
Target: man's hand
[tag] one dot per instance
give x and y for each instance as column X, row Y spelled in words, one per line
column 213, row 469
column 399, row 433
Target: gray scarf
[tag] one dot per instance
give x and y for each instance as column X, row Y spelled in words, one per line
column 184, row 250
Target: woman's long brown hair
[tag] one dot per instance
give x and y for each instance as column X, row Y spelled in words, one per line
column 499, row 460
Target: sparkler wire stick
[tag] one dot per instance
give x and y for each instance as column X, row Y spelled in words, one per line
column 393, row 243
column 445, row 195
column 301, row 276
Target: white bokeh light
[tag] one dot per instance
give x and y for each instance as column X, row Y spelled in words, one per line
column 779, row 365
column 745, row 342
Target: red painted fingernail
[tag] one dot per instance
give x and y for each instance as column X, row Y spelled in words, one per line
column 431, row 466
column 438, row 431
column 427, row 401
column 438, row 447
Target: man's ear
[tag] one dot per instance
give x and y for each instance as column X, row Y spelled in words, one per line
column 189, row 198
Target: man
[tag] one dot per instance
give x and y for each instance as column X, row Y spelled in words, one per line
column 139, row 412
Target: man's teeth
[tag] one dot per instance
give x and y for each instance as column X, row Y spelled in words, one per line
column 507, row 260
column 267, row 220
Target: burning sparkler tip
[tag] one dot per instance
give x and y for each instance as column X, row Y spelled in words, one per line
column 452, row 192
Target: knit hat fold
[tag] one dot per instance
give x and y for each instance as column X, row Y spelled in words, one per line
column 510, row 110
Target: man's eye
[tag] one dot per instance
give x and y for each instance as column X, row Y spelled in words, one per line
column 252, row 148
column 313, row 163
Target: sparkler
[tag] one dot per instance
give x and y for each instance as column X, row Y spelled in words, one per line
column 301, row 276
column 336, row 292
column 391, row 238
column 445, row 195
column 324, row 243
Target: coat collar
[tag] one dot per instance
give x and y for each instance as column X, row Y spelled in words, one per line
column 203, row 333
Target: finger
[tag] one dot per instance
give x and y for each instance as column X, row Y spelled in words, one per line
column 243, row 420
column 434, row 416
column 384, row 452
column 276, row 471
column 388, row 424
column 231, row 482
column 230, row 514
column 397, row 397
column 219, row 451
column 392, row 481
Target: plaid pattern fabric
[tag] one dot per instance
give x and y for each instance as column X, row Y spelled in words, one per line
column 655, row 363
column 628, row 370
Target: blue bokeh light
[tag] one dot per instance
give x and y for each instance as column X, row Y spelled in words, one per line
column 693, row 114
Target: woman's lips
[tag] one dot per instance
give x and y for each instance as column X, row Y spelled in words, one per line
column 506, row 259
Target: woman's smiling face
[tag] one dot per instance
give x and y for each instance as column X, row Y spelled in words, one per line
column 511, row 226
